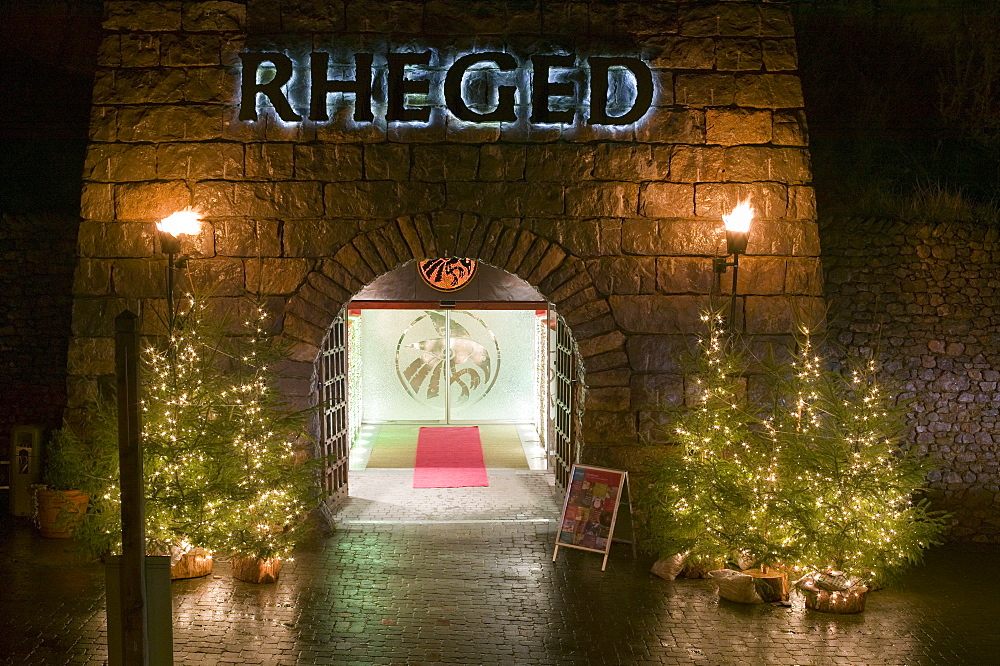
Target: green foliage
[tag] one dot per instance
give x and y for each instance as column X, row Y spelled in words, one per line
column 820, row 479
column 851, row 478
column 185, row 442
column 720, row 494
column 84, row 456
column 219, row 447
column 262, row 475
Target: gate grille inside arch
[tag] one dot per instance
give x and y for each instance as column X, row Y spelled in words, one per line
column 565, row 419
column 334, row 423
column 336, row 430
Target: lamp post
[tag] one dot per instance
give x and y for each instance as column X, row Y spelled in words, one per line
column 737, row 231
column 139, row 621
column 185, row 222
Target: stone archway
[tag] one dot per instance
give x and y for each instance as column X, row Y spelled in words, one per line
column 560, row 276
column 563, row 278
column 617, row 226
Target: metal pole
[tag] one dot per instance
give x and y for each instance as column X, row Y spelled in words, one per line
column 447, row 366
column 732, row 307
column 135, row 651
column 170, row 293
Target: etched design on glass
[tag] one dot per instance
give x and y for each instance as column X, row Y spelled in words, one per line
column 449, row 274
column 462, row 339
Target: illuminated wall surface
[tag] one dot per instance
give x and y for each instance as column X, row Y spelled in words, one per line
column 614, row 219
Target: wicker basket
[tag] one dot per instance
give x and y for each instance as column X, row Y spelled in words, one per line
column 256, row 570
column 850, row 601
column 195, row 563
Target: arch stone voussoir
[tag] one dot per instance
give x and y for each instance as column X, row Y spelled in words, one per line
column 369, row 253
column 536, row 250
column 309, row 313
column 419, row 236
column 299, row 329
column 384, row 248
column 323, row 293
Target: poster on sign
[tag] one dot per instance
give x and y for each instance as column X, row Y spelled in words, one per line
column 590, row 510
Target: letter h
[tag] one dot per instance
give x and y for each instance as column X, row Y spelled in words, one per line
column 321, row 86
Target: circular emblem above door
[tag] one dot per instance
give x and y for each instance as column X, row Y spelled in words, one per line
column 450, row 274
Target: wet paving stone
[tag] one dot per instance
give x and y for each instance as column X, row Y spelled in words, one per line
column 488, row 593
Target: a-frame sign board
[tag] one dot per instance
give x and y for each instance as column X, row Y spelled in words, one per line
column 590, row 511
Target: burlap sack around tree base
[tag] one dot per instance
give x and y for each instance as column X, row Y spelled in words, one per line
column 668, row 568
column 736, row 586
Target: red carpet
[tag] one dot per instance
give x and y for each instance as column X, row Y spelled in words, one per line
column 449, row 458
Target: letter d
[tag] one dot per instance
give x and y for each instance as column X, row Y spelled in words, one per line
column 600, row 69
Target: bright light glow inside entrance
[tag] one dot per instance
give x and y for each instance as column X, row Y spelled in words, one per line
column 442, row 366
column 436, row 367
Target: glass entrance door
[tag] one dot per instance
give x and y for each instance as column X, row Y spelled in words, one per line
column 449, row 366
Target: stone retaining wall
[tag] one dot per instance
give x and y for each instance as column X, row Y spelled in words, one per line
column 616, row 226
column 923, row 298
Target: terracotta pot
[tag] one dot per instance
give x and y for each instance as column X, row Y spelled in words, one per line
column 195, row 563
column 60, row 512
column 256, row 570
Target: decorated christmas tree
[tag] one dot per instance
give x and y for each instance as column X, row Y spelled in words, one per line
column 219, row 450
column 186, row 437
column 264, row 479
column 719, row 495
column 852, row 481
column 817, row 477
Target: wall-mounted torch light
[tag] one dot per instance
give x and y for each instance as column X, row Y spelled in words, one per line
column 737, row 231
column 185, row 222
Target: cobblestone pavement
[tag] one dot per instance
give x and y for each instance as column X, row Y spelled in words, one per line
column 468, row 592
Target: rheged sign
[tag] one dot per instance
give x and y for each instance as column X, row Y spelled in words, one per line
column 482, row 87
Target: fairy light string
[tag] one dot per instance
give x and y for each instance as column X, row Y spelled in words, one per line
column 816, row 476
column 221, row 448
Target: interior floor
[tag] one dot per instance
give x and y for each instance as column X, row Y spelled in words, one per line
column 394, row 446
column 387, row 496
column 381, row 480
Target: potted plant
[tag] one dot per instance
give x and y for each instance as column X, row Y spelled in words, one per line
column 79, row 465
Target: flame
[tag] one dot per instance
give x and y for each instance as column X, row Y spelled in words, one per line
column 740, row 218
column 187, row 221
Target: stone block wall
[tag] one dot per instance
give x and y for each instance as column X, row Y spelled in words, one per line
column 924, row 299
column 616, row 226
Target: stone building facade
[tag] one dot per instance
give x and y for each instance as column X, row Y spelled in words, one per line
column 922, row 298
column 616, row 225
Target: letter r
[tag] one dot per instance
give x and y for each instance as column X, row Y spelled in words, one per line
column 252, row 60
